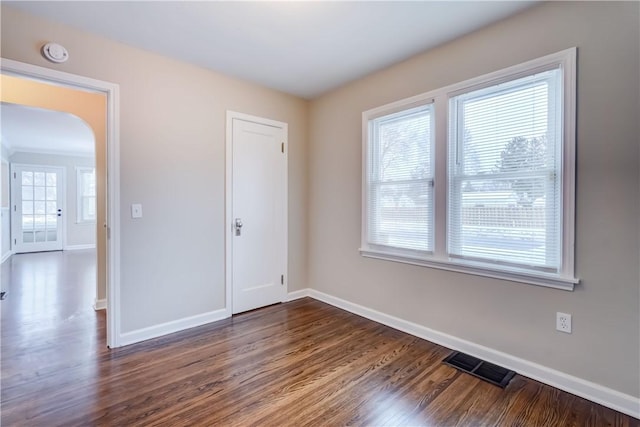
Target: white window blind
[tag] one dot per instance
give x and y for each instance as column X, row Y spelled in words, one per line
column 505, row 166
column 400, row 180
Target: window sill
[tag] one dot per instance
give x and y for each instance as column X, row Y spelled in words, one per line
column 540, row 279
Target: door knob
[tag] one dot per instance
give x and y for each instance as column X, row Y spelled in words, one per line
column 238, row 226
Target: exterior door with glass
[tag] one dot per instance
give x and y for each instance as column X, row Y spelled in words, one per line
column 36, row 211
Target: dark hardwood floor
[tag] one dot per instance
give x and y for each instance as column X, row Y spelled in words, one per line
column 294, row 364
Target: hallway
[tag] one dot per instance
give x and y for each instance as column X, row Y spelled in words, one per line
column 47, row 293
column 48, row 322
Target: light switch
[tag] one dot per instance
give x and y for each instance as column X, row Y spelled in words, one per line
column 136, row 210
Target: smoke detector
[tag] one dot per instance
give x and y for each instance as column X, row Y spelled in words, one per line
column 55, row 52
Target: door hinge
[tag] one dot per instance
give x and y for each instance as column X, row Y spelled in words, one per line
column 15, row 241
column 282, row 147
column 14, row 175
column 282, row 279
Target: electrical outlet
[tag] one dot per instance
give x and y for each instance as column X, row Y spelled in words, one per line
column 563, row 322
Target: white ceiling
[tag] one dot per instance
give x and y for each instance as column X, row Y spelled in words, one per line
column 303, row 48
column 38, row 130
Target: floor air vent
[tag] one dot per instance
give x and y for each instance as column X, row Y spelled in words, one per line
column 494, row 374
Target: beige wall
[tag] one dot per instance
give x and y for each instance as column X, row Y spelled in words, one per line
column 76, row 234
column 172, row 139
column 515, row 318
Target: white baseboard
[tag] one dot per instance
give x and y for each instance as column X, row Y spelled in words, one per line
column 605, row 396
column 100, row 304
column 6, row 256
column 78, row 247
column 171, row 327
column 297, row 294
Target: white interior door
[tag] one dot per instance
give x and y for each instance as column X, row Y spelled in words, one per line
column 36, row 214
column 258, row 217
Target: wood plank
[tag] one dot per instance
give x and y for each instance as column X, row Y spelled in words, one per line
column 302, row 363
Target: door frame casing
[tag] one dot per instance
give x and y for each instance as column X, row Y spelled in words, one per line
column 63, row 205
column 112, row 94
column 228, row 218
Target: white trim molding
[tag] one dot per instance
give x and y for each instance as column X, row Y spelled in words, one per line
column 79, row 247
column 15, row 150
column 100, row 304
column 112, row 93
column 6, row 256
column 292, row 296
column 597, row 393
column 173, row 326
column 539, row 279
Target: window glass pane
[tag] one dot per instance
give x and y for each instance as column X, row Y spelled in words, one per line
column 86, row 194
column 51, row 193
column 88, row 183
column 52, row 208
column 89, row 208
column 27, row 207
column 404, row 146
column 506, row 123
column 27, row 193
column 52, row 221
column 52, row 235
column 91, row 185
column 39, row 193
column 27, row 236
column 496, row 223
column 504, row 194
column 39, row 207
column 27, row 178
column 40, row 236
column 38, row 178
column 27, row 222
column 51, row 179
column 39, row 221
column 403, row 215
column 400, row 180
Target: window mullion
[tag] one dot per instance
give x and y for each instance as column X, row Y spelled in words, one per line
column 440, row 177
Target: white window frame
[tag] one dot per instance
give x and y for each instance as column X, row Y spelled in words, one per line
column 79, row 196
column 368, row 117
column 565, row 278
